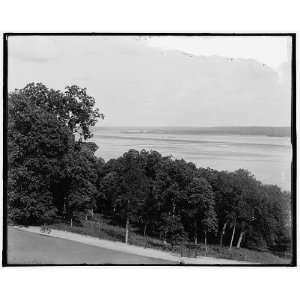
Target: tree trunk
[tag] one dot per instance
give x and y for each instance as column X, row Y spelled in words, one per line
column 240, row 239
column 165, row 238
column 223, row 233
column 71, row 222
column 195, row 232
column 127, row 230
column 232, row 237
column 145, row 237
column 127, row 222
column 173, row 211
column 205, row 242
column 196, row 239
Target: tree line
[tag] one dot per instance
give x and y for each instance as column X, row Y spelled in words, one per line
column 54, row 175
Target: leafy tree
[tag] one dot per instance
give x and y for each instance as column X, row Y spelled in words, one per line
column 221, row 183
column 133, row 189
column 272, row 220
column 170, row 198
column 73, row 107
column 49, row 172
column 171, row 229
column 200, row 208
column 246, row 202
column 76, row 184
column 147, row 215
column 36, row 144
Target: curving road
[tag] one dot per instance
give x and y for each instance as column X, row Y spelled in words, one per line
column 30, row 248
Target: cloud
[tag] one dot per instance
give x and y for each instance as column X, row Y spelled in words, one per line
column 33, row 49
column 137, row 84
column 284, row 72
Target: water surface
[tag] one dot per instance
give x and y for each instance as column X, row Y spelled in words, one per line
column 267, row 157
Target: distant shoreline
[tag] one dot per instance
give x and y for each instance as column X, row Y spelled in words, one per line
column 216, row 130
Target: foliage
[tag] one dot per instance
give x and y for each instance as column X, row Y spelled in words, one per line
column 173, row 200
column 73, row 107
column 199, row 209
column 50, row 173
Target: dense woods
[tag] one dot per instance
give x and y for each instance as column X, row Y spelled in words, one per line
column 54, row 176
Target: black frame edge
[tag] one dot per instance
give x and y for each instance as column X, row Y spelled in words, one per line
column 294, row 151
column 5, row 158
column 293, row 141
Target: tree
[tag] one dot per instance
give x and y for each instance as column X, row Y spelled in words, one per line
column 108, row 191
column 36, row 144
column 272, row 227
column 133, row 189
column 201, row 208
column 76, row 183
column 221, row 184
column 193, row 208
column 247, row 202
column 49, row 171
column 237, row 200
column 73, row 107
column 172, row 229
column 148, row 211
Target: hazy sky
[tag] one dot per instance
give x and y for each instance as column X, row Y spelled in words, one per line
column 272, row 51
column 226, row 81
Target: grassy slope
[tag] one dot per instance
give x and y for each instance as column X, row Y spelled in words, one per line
column 106, row 231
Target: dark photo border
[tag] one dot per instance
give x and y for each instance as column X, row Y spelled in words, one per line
column 293, row 142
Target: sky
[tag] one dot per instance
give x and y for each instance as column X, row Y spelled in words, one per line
column 164, row 81
column 272, row 51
